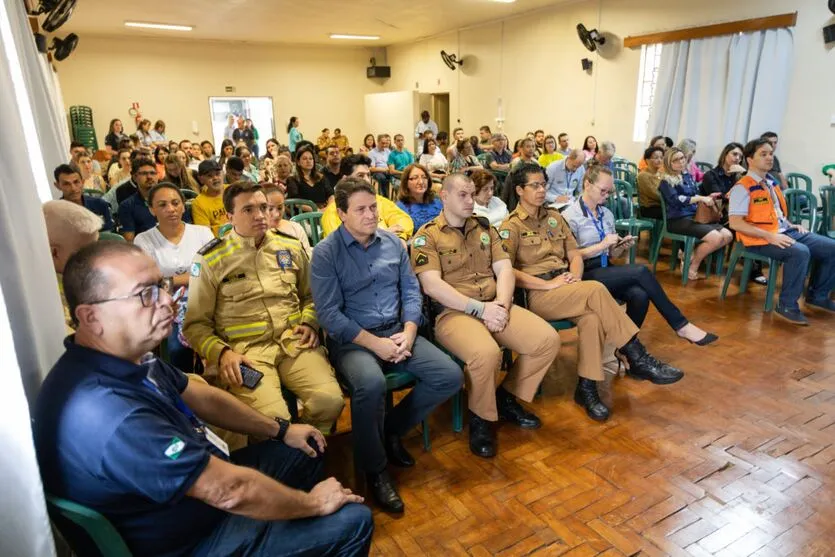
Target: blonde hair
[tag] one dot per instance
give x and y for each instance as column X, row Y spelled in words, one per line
column 186, row 179
column 65, row 217
column 667, row 172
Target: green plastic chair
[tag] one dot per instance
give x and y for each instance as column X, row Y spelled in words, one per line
column 484, row 159
column 111, row 237
column 798, row 203
column 398, row 381
column 628, row 165
column 799, row 181
column 826, row 227
column 312, row 224
column 93, row 192
column 748, row 258
column 704, row 166
column 627, row 221
column 293, row 206
column 224, row 230
column 188, row 194
column 688, row 243
column 104, row 537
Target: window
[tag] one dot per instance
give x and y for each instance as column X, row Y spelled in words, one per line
column 647, row 80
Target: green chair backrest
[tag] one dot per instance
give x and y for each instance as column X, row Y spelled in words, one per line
column 312, row 224
column 224, row 229
column 105, row 537
column 800, row 211
column 626, row 165
column 623, row 190
column 188, row 194
column 92, row 192
column 111, row 236
column 704, row 166
column 484, row 159
column 798, row 181
column 293, row 206
column 827, row 194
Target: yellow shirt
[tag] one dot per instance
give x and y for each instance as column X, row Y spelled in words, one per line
column 545, row 159
column 209, row 211
column 388, row 214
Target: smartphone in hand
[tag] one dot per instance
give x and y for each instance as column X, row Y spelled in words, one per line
column 251, row 377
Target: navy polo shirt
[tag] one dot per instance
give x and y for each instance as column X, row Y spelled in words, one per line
column 101, row 208
column 111, row 442
column 134, row 215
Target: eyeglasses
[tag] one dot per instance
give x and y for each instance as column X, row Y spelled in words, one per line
column 538, row 185
column 149, row 295
column 146, row 173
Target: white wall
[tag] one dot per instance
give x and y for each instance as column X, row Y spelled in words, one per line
column 533, row 64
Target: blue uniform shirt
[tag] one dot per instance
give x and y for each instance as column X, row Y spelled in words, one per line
column 111, row 442
column 134, row 215
column 356, row 287
column 101, row 208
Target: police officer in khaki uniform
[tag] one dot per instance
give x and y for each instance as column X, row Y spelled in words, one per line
column 250, row 303
column 549, row 265
column 462, row 267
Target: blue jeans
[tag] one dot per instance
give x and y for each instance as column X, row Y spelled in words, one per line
column 637, row 286
column 438, row 378
column 382, row 181
column 795, row 261
column 344, row 533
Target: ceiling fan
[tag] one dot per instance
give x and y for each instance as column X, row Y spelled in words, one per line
column 58, row 12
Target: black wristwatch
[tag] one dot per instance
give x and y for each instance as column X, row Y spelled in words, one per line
column 283, row 425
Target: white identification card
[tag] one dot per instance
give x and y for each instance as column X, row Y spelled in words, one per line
column 212, row 437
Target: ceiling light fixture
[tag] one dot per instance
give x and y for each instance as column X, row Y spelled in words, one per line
column 162, row 26
column 356, row 37
column 504, row 1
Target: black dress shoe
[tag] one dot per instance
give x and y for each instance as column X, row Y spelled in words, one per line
column 644, row 366
column 586, row 396
column 384, row 493
column 482, row 438
column 397, row 453
column 511, row 411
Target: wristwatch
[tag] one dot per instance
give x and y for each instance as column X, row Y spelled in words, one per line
column 283, row 425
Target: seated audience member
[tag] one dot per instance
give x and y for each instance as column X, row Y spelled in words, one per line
column 69, row 227
column 590, row 147
column 563, row 148
column 369, row 302
column 682, row 195
column 173, row 146
column 234, row 171
column 485, row 138
column 158, row 133
column 688, row 147
column 368, row 144
column 68, row 180
column 227, row 150
column 500, row 157
column 565, row 178
column 115, row 136
column 399, row 157
column 648, row 181
column 77, row 150
column 463, row 268
column 322, row 142
column 657, row 141
column 389, row 216
column 758, row 215
column 333, row 165
column 308, row 183
column 776, row 171
column 143, row 132
column 593, row 226
column 283, row 171
column 266, row 166
column 442, row 140
column 416, row 197
column 207, row 150
column 727, row 172
column 128, row 439
column 380, row 163
column 341, row 141
column 117, row 194
column 173, row 244
column 485, row 204
column 452, row 149
column 605, row 155
column 547, row 263
column 527, row 153
column 549, row 152
column 160, row 154
column 89, row 178
column 539, row 141
column 250, row 171
column 463, row 161
column 275, row 203
column 178, row 174
column 474, row 143
column 120, row 172
column 207, row 209
column 433, row 159
column 250, row 304
column 134, row 216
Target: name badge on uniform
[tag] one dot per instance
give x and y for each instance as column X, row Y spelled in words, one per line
column 285, row 260
column 219, row 443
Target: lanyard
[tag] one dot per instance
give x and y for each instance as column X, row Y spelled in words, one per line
column 179, row 404
column 598, row 224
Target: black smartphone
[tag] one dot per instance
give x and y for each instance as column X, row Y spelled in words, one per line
column 251, row 376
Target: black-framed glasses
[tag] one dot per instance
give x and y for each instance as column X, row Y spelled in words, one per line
column 537, row 185
column 149, row 295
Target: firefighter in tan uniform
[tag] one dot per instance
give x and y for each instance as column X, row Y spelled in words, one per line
column 250, row 303
column 548, row 264
column 462, row 267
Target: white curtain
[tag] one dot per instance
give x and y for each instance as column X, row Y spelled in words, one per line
column 723, row 89
column 33, row 142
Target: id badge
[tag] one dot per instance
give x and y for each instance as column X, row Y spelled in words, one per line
column 604, row 259
column 219, row 443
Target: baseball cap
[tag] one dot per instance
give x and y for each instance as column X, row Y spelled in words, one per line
column 207, row 167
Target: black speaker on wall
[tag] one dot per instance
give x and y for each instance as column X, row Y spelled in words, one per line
column 829, row 33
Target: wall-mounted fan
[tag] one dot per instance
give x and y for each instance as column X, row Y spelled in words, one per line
column 59, row 11
column 832, row 6
column 451, row 60
column 60, row 49
column 590, row 39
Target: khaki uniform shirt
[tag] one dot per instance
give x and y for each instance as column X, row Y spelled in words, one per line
column 464, row 260
column 241, row 295
column 538, row 243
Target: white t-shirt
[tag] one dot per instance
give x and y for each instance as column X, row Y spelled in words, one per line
column 174, row 259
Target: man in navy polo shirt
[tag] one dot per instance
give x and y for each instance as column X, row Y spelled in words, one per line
column 127, row 438
column 68, row 180
column 134, row 215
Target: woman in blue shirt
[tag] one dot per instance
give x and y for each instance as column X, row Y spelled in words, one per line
column 593, row 226
column 294, row 135
column 416, row 197
column 681, row 195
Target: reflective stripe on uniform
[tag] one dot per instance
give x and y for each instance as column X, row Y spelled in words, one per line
column 217, row 255
column 208, row 344
column 245, row 330
column 294, row 318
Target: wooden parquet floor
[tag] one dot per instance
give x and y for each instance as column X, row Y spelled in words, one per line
column 736, row 459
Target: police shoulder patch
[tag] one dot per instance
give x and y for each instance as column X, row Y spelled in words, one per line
column 214, row 243
column 195, row 269
column 421, row 259
column 419, row 241
column 175, row 448
column 504, row 234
